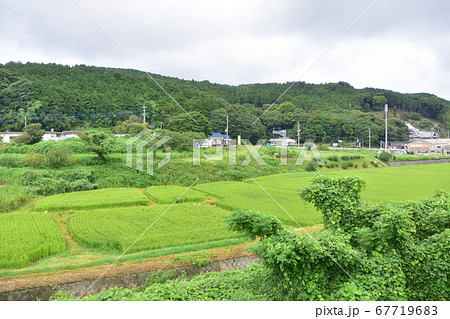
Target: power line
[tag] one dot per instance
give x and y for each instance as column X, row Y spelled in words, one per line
column 72, row 114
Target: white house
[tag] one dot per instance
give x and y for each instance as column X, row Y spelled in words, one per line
column 8, row 137
column 216, row 139
column 283, row 142
column 70, row 134
column 51, row 136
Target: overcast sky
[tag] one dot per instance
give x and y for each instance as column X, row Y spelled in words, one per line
column 403, row 45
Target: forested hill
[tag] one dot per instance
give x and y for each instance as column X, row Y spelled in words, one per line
column 63, row 97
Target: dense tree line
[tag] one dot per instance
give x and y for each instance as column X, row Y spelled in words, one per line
column 82, row 97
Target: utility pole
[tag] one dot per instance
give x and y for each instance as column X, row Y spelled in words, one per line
column 369, row 137
column 298, row 134
column 226, row 133
column 25, row 121
column 161, row 125
column 386, row 108
column 144, row 107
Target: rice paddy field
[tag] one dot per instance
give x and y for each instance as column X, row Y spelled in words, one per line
column 26, row 237
column 169, row 193
column 240, row 195
column 107, row 221
column 118, row 228
column 382, row 184
column 100, row 198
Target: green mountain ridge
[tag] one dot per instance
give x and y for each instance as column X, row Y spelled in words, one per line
column 46, row 93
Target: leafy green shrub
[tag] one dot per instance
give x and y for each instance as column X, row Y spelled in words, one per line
column 198, row 258
column 311, row 166
column 337, row 198
column 161, row 277
column 12, row 161
column 385, row 156
column 322, row 147
column 57, row 182
column 333, row 158
column 35, row 160
column 238, row 285
column 58, row 157
column 344, row 165
column 32, row 134
column 253, row 224
column 350, row 157
column 428, row 278
column 364, row 165
column 12, row 197
column 98, row 142
column 14, row 148
column 374, row 163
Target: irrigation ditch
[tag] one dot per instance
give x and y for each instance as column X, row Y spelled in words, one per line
column 131, row 280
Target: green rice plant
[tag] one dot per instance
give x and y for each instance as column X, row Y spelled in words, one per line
column 26, row 237
column 383, row 184
column 169, row 193
column 247, row 196
column 99, row 198
column 181, row 224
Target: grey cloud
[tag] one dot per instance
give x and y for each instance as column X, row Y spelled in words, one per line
column 237, row 41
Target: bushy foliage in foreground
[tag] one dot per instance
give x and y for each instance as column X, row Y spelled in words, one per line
column 254, row 224
column 227, row 285
column 26, row 237
column 395, row 251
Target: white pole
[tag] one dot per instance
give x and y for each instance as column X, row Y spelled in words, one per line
column 226, row 131
column 144, row 107
column 386, row 108
column 369, row 137
column 298, row 134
